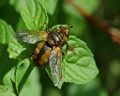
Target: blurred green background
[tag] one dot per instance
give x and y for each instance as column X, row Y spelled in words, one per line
column 105, row 50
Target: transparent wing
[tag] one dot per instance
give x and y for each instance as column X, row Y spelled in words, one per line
column 55, row 63
column 31, row 36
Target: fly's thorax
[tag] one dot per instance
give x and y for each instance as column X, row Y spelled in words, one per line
column 55, row 38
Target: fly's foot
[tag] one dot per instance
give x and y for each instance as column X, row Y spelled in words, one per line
column 63, row 53
column 72, row 48
column 61, row 78
column 46, row 25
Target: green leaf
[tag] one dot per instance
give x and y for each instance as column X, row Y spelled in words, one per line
column 20, row 24
column 5, row 31
column 15, row 74
column 14, row 87
column 92, row 88
column 14, row 48
column 4, row 91
column 32, row 83
column 32, row 86
column 5, row 63
column 80, row 68
column 17, row 48
column 89, row 6
column 33, row 14
column 50, row 5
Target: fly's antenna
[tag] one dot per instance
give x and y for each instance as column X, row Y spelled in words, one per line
column 69, row 26
column 46, row 25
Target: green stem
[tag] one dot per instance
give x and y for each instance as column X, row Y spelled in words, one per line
column 25, row 77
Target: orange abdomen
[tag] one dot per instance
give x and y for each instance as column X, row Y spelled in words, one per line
column 42, row 53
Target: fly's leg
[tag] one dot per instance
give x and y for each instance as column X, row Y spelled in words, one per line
column 70, row 48
column 27, row 56
column 61, row 78
column 33, row 52
column 46, row 26
column 63, row 54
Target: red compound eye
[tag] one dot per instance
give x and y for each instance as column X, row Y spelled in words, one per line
column 61, row 27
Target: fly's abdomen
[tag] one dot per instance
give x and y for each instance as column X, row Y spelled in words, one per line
column 42, row 53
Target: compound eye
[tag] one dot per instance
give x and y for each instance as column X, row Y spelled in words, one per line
column 61, row 27
column 67, row 33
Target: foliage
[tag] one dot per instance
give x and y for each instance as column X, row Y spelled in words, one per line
column 20, row 76
column 5, row 91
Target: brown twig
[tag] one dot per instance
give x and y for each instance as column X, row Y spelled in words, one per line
column 113, row 32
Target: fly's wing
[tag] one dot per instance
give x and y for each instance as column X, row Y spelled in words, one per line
column 55, row 63
column 31, row 36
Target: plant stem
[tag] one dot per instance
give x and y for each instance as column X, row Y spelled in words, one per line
column 25, row 77
column 113, row 32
